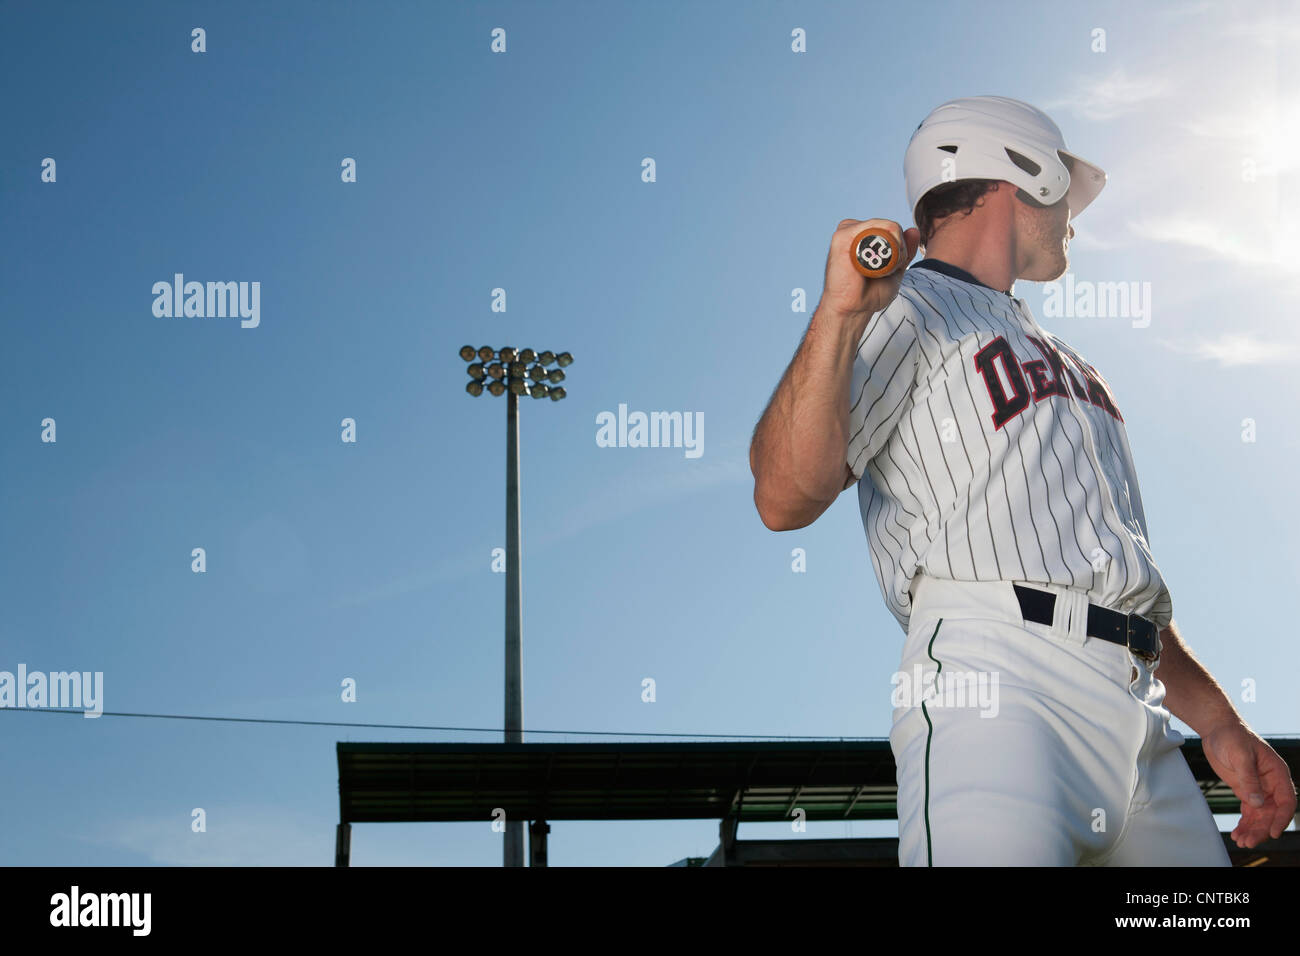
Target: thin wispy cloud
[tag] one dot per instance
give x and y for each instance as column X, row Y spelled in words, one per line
column 1117, row 93
column 1186, row 10
column 727, row 464
column 1235, row 126
column 1225, row 240
column 1235, row 349
column 1270, row 31
column 419, row 579
column 1197, row 233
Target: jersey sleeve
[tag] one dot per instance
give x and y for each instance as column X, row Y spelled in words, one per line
column 884, row 373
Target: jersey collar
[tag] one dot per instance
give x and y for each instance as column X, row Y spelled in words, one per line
column 956, row 272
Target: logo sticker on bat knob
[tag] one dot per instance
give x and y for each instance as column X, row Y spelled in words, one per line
column 875, row 253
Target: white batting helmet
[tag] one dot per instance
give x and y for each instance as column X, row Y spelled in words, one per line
column 994, row 137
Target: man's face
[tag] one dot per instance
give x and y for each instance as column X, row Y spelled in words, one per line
column 1044, row 235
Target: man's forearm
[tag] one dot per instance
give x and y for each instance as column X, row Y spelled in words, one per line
column 1191, row 693
column 799, row 445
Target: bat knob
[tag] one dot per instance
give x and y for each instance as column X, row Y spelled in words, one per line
column 875, row 252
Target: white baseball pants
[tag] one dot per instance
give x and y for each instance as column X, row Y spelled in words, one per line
column 1035, row 745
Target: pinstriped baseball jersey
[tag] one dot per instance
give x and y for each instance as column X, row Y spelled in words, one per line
column 988, row 449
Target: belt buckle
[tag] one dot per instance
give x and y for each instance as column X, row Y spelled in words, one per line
column 1149, row 656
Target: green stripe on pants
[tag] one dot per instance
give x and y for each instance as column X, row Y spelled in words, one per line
column 929, row 849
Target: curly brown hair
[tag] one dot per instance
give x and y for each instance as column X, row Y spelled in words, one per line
column 945, row 200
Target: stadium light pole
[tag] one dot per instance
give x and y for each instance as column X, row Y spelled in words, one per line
column 515, row 374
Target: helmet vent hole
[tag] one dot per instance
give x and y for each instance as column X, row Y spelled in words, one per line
column 1024, row 162
column 949, row 149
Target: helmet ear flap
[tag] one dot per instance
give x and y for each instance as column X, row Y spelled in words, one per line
column 1035, row 169
column 1029, row 200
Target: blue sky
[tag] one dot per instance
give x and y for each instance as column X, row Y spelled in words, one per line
column 522, row 171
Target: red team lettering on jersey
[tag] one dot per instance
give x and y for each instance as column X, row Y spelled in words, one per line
column 1046, row 383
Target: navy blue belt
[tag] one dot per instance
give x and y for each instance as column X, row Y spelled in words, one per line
column 1133, row 631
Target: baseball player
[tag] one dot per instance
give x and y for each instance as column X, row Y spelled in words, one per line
column 1002, row 510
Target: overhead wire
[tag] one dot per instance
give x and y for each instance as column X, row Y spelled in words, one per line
column 437, row 727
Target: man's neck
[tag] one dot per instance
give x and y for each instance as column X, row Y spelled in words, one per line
column 987, row 263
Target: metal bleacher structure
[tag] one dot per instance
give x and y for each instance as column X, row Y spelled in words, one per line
column 731, row 782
